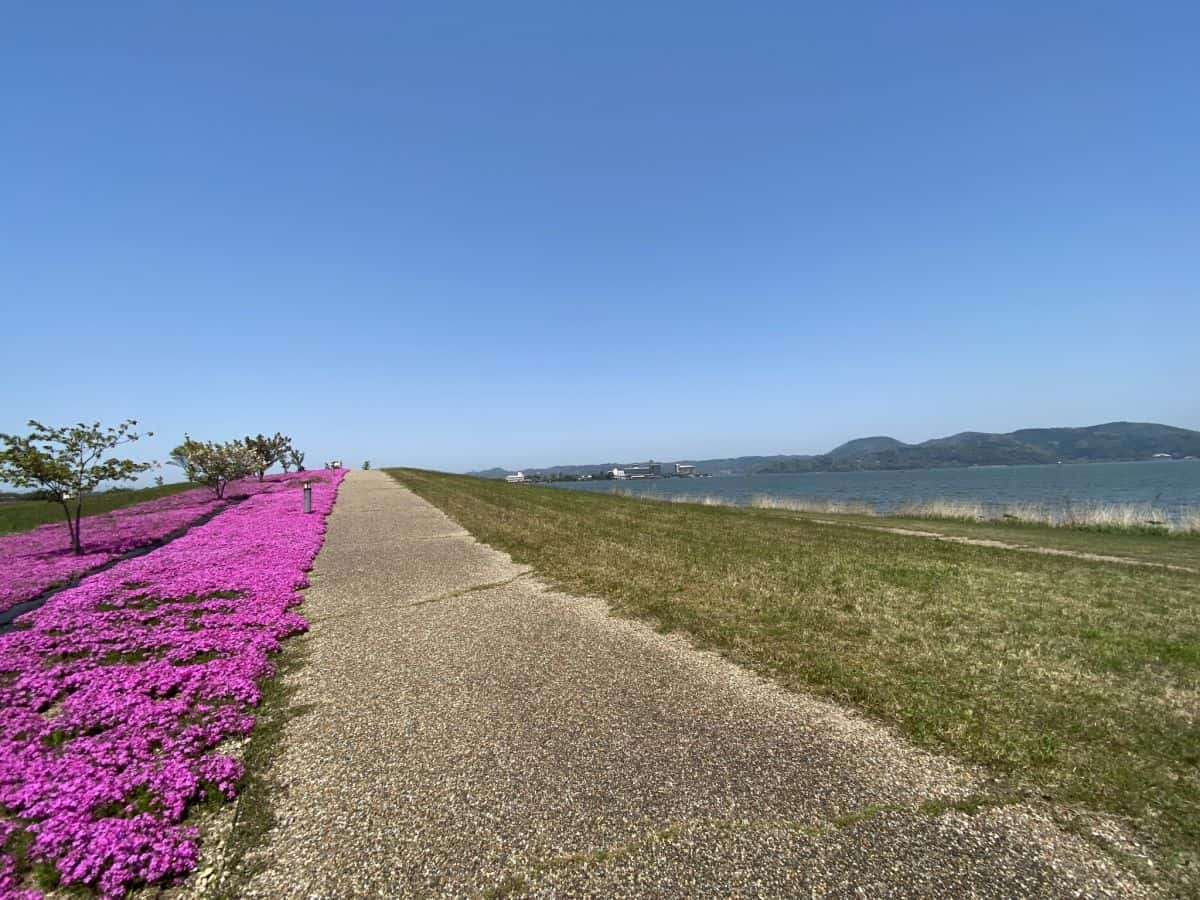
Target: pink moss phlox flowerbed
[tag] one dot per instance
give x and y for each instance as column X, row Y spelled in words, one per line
column 32, row 561
column 117, row 695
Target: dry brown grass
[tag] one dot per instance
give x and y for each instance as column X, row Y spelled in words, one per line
column 943, row 509
column 815, row 505
column 1102, row 516
column 1095, row 516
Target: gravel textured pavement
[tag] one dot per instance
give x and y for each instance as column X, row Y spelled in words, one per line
column 468, row 731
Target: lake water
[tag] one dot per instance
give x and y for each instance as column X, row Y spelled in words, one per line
column 1172, row 486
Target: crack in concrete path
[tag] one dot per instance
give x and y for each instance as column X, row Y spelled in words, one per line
column 487, row 586
column 440, row 598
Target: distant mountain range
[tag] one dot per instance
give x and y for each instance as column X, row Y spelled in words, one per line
column 1110, row 442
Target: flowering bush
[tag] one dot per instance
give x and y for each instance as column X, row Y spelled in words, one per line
column 116, row 695
column 33, row 561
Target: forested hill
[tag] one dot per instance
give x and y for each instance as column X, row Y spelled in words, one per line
column 1111, row 441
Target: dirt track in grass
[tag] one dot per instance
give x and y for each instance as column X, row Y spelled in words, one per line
column 1008, row 545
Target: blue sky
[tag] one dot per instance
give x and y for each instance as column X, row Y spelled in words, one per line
column 526, row 234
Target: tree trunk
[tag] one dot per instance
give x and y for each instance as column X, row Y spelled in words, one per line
column 72, row 528
column 78, row 537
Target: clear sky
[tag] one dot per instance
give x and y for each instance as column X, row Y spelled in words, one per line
column 525, row 234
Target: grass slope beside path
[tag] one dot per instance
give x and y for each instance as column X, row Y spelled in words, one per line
column 1077, row 680
column 22, row 515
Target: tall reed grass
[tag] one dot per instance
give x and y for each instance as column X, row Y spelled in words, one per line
column 701, row 500
column 1096, row 516
column 814, row 505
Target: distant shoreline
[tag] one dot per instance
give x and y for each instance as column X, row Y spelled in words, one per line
column 1109, row 442
column 1053, row 490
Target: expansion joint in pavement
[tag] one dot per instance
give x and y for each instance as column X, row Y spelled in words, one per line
column 440, row 598
column 475, row 588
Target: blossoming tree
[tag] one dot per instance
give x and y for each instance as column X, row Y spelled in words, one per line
column 68, row 463
column 269, row 451
column 214, row 464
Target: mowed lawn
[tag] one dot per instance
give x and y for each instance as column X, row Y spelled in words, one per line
column 1074, row 683
column 22, row 515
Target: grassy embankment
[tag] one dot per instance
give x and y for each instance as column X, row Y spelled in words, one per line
column 22, row 515
column 1072, row 681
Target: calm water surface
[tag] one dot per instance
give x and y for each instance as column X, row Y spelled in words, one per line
column 1170, row 485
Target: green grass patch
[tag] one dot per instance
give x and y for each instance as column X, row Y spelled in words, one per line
column 22, row 515
column 1075, row 679
column 256, row 812
column 138, row 802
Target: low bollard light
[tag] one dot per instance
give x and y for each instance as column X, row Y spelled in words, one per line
column 308, row 496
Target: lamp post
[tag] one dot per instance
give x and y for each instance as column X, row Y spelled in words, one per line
column 307, row 496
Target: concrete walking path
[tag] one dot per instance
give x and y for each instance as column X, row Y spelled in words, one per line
column 467, row 731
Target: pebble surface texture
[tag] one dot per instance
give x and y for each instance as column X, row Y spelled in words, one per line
column 467, row 731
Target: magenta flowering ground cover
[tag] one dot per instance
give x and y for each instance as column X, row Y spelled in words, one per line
column 32, row 561
column 116, row 696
